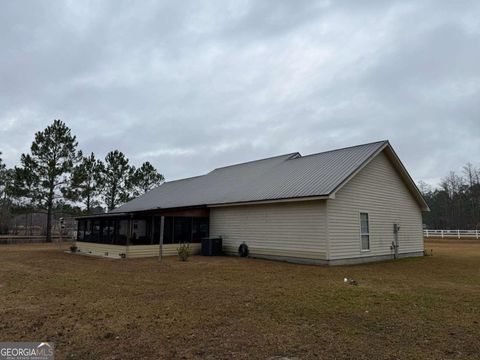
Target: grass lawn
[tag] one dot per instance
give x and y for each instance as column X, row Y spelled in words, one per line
column 227, row 307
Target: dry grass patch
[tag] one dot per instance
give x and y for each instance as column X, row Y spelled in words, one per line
column 228, row 307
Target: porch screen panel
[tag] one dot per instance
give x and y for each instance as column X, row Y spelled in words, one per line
column 141, row 233
column 200, row 229
column 81, row 230
column 108, row 231
column 95, row 231
column 122, row 232
column 182, row 229
column 88, row 231
column 168, row 230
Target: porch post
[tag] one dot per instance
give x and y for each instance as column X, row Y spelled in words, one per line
column 152, row 230
column 130, row 229
column 162, row 223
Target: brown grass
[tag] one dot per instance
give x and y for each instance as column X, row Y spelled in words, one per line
column 226, row 307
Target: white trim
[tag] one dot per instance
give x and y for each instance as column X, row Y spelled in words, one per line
column 308, row 198
column 327, row 232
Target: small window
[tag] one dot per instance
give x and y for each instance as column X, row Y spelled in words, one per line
column 365, row 231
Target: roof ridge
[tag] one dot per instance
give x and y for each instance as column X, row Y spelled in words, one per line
column 252, row 161
column 183, row 179
column 347, row 147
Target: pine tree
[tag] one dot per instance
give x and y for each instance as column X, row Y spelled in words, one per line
column 45, row 172
column 86, row 181
column 146, row 178
column 3, row 177
column 116, row 177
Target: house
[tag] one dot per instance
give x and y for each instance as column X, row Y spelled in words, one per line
column 350, row 205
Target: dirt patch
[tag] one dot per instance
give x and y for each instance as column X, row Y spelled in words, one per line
column 226, row 307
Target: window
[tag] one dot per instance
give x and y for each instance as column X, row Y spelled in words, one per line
column 365, row 231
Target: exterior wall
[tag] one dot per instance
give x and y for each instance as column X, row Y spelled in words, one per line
column 378, row 190
column 101, row 249
column 136, row 251
column 289, row 230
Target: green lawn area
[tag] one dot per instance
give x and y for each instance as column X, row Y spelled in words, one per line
column 228, row 307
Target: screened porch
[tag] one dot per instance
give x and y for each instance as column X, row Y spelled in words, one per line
column 144, row 229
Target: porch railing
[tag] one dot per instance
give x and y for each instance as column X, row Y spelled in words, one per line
column 21, row 239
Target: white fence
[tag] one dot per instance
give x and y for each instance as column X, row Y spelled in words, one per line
column 459, row 234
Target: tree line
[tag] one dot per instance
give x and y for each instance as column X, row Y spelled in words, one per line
column 55, row 173
column 455, row 203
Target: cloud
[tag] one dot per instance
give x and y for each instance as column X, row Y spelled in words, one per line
column 193, row 86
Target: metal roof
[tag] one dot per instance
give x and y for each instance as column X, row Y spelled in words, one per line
column 286, row 176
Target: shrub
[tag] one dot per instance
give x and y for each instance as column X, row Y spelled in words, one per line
column 73, row 249
column 183, row 251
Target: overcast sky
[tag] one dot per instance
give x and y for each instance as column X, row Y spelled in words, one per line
column 193, row 85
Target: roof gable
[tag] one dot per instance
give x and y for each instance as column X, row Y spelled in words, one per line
column 398, row 166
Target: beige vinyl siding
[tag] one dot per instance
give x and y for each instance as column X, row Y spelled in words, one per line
column 136, row 251
column 101, row 249
column 132, row 251
column 378, row 190
column 295, row 229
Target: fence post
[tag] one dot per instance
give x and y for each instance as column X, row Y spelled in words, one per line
column 442, row 233
column 458, row 234
column 476, row 234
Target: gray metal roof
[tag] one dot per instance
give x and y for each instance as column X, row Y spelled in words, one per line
column 281, row 177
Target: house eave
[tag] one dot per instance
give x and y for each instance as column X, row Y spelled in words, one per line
column 271, row 201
